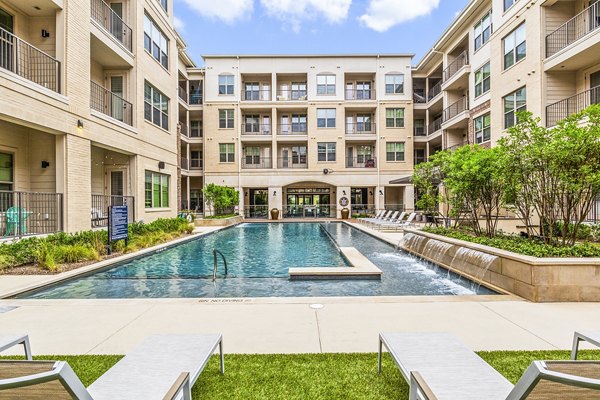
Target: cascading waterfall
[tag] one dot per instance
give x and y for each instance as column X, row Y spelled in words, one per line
column 475, row 262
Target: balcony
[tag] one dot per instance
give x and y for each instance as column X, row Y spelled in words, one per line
column 196, row 99
column 294, row 162
column 456, row 75
column 256, row 162
column 184, row 163
column 29, row 62
column 256, row 95
column 111, row 104
column 360, row 94
column 291, row 95
column 419, row 131
column 361, row 162
column 256, row 129
column 578, row 27
column 360, row 128
column 184, row 129
column 456, row 115
column 182, row 93
column 571, row 105
column 26, row 214
column 101, row 204
column 294, row 129
column 435, row 91
column 112, row 23
column 196, row 164
column 434, row 126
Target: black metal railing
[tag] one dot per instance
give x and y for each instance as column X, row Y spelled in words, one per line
column 460, row 61
column 434, row 91
column 184, row 129
column 360, row 94
column 256, row 95
column 110, row 20
column 257, row 162
column 196, row 99
column 29, row 62
column 363, row 210
column 256, row 212
column 111, row 104
column 455, row 109
column 434, row 126
column 256, row 129
column 310, row 211
column 26, row 214
column 100, row 204
column 594, row 214
column 293, row 129
column 182, row 93
column 360, row 128
column 571, row 105
column 361, row 162
column 574, row 29
column 292, row 95
column 184, row 163
column 294, row 162
column 419, row 130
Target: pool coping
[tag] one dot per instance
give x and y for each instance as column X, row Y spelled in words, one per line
column 360, row 268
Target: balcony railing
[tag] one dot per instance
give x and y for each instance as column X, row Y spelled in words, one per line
column 420, row 130
column 23, row 214
column 111, row 104
column 184, row 163
column 195, row 164
column 594, row 214
column 184, row 129
column 434, row 126
column 256, row 95
column 100, row 204
column 360, row 128
column 456, row 65
column 182, row 93
column 109, row 20
column 195, row 132
column 292, row 95
column 455, row 109
column 571, row 31
column 434, row 91
column 572, row 105
column 256, row 129
column 360, row 94
column 361, row 162
column 294, row 162
column 256, row 162
column 298, row 129
column 196, row 99
column 256, row 212
column 29, row 62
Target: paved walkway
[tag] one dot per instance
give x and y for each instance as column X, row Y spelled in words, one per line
column 291, row 325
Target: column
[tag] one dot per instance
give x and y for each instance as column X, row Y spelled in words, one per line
column 74, row 162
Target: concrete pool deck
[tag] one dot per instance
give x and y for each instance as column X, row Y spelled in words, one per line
column 290, row 325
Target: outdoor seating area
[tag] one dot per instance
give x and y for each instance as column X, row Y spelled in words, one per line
column 386, row 220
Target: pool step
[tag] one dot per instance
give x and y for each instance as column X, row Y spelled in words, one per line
column 361, row 268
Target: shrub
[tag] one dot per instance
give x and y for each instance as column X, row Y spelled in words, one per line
column 75, row 253
column 45, row 257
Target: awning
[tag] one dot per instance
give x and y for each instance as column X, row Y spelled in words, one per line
column 407, row 180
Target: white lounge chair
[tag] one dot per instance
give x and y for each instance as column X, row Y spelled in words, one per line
column 392, row 222
column 400, row 224
column 386, row 220
column 384, row 215
column 438, row 366
column 586, row 336
column 377, row 216
column 8, row 341
column 160, row 367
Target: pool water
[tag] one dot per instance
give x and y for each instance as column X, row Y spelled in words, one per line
column 258, row 258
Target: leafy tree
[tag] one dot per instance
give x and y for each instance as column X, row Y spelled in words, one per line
column 221, row 199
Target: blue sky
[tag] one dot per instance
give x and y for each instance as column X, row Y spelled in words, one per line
column 313, row 26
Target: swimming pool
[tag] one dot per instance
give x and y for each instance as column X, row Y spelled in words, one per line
column 258, row 257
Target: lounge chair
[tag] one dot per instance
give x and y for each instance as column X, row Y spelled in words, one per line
column 587, row 336
column 379, row 214
column 388, row 219
column 438, row 366
column 8, row 341
column 399, row 225
column 160, row 367
column 392, row 222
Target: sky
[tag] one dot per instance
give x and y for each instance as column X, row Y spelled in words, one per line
column 313, row 26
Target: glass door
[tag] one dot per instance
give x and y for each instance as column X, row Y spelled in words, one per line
column 595, row 87
column 116, row 20
column 6, row 41
column 116, row 103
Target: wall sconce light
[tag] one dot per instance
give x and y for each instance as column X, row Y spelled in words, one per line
column 274, row 193
column 45, row 33
column 246, row 194
column 370, row 193
column 45, row 164
column 80, row 124
column 344, row 192
column 381, row 192
column 161, row 165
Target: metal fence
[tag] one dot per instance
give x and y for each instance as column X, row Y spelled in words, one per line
column 571, row 31
column 360, row 128
column 292, row 95
column 594, row 214
column 294, row 162
column 256, row 129
column 25, row 214
column 100, row 204
column 256, row 212
column 434, row 91
column 110, row 20
column 361, row 162
column 572, row 105
column 29, row 62
column 360, row 94
column 111, row 104
column 460, row 61
column 434, row 126
column 256, row 162
column 256, row 95
column 363, row 210
column 182, row 93
column 455, row 109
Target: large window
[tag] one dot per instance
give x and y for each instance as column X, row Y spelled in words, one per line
column 157, row 190
column 226, row 84
column 226, row 120
column 326, row 151
column 515, row 46
column 364, row 153
column 482, row 80
column 299, row 123
column 326, row 118
column 226, row 152
column 394, row 84
column 483, row 30
column 155, row 42
column 196, row 159
column 394, row 117
column 196, row 128
column 6, row 171
column 394, row 151
column 482, row 128
column 252, row 155
column 509, row 3
column 163, row 4
column 156, row 106
column 514, row 102
column 326, row 85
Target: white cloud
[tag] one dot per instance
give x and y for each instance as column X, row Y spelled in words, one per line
column 227, row 11
column 179, row 24
column 381, row 15
column 296, row 11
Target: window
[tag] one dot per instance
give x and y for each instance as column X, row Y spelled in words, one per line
column 252, row 90
column 226, row 152
column 514, row 102
column 326, row 118
column 394, row 84
column 394, row 151
column 508, row 4
column 252, row 155
column 483, row 30
column 163, row 3
column 157, row 190
column 482, row 128
column 156, row 106
column 226, row 120
column 226, row 84
column 515, row 47
column 364, row 154
column 299, row 123
column 482, row 80
column 196, row 159
column 299, row 90
column 252, row 124
column 6, row 171
column 326, row 85
column 155, row 42
column 326, row 151
column 196, row 128
column 394, row 117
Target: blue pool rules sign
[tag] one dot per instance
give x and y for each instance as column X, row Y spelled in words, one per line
column 118, row 223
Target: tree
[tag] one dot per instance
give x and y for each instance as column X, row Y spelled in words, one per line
column 221, row 199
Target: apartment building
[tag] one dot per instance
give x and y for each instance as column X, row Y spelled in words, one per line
column 303, row 134
column 87, row 113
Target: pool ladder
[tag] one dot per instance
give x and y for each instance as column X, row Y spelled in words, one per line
column 215, row 252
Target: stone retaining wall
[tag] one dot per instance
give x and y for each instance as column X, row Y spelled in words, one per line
column 220, row 222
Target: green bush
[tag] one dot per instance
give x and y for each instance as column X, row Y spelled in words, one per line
column 44, row 256
column 75, row 253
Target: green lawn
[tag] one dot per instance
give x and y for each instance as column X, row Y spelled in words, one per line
column 312, row 376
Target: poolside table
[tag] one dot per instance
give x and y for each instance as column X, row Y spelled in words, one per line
column 8, row 341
